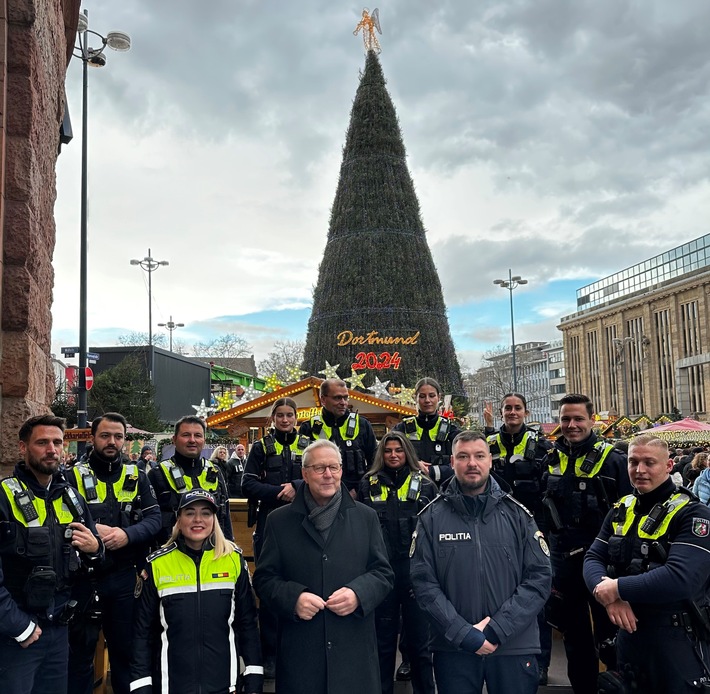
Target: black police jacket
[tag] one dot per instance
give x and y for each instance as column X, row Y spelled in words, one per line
column 23, row 548
column 465, row 568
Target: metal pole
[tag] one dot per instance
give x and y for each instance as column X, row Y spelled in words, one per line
column 83, row 246
column 150, row 298
column 512, row 330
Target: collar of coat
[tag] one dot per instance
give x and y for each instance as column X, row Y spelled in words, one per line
column 299, row 503
column 452, row 494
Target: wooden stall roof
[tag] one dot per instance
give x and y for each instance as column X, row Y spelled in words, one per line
column 306, row 395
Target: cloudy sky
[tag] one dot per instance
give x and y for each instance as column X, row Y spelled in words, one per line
column 565, row 140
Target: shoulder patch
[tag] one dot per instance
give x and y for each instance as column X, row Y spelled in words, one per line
column 701, row 527
column 162, row 551
column 543, row 544
column 510, row 497
column 139, row 584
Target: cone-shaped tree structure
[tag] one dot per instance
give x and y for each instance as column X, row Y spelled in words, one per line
column 378, row 291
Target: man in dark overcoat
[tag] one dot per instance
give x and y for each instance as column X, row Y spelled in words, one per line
column 323, row 570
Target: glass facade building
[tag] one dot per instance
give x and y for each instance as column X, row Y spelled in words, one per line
column 651, row 273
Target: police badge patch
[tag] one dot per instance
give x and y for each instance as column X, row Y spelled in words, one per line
column 701, row 527
column 139, row 583
column 413, row 545
column 543, row 545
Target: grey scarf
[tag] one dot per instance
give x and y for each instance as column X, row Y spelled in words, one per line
column 322, row 517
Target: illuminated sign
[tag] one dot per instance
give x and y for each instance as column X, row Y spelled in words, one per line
column 346, row 337
column 372, row 360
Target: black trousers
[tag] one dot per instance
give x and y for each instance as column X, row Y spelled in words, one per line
column 268, row 622
column 117, row 602
column 663, row 660
column 582, row 635
column 387, row 618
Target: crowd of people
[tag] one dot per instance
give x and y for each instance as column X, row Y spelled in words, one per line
column 460, row 548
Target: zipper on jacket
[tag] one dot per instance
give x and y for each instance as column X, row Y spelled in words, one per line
column 479, row 557
column 198, row 621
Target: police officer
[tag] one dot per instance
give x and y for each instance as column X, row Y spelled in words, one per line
column 184, row 471
column 650, row 568
column 46, row 532
column 271, row 478
column 348, row 430
column 430, row 433
column 127, row 517
column 585, row 476
column 397, row 489
column 481, row 571
column 519, row 457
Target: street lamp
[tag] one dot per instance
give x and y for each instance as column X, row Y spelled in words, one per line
column 94, row 57
column 170, row 326
column 510, row 284
column 150, row 265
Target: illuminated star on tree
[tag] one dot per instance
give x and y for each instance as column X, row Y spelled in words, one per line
column 380, row 389
column 294, row 374
column 355, row 380
column 250, row 392
column 225, row 402
column 273, row 383
column 202, row 410
column 405, row 396
column 330, row 371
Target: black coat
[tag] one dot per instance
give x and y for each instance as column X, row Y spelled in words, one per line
column 328, row 654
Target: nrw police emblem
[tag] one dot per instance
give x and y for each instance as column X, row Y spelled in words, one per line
column 701, row 527
column 543, row 545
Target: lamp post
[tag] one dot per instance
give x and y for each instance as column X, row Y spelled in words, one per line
column 170, row 326
column 150, row 265
column 94, row 57
column 510, row 284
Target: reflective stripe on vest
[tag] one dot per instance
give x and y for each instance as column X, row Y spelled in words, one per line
column 401, row 492
column 518, row 450
column 167, row 465
column 326, row 432
column 10, row 485
column 417, row 434
column 175, row 572
column 673, row 504
column 122, row 495
column 562, row 460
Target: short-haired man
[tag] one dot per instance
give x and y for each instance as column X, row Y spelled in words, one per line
column 127, row 517
column 323, row 570
column 235, row 470
column 585, row 476
column 480, row 569
column 650, row 568
column 348, row 430
column 46, row 533
column 186, row 470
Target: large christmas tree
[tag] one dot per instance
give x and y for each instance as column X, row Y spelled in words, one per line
column 378, row 305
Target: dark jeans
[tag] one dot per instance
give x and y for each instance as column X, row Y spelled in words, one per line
column 663, row 659
column 40, row 668
column 457, row 672
column 387, row 616
column 117, row 603
column 582, row 635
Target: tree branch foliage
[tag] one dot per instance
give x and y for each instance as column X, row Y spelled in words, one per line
column 286, row 353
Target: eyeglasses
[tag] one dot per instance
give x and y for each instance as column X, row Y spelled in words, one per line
column 320, row 469
column 341, row 398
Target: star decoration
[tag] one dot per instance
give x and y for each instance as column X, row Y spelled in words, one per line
column 380, row 389
column 202, row 410
column 250, row 392
column 273, row 383
column 405, row 396
column 330, row 371
column 225, row 402
column 355, row 380
column 294, row 374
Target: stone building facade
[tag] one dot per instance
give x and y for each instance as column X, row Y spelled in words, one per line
column 640, row 342
column 36, row 40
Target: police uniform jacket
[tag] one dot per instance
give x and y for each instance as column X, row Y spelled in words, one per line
column 423, row 432
column 123, row 499
column 357, row 452
column 197, row 472
column 654, row 579
column 397, row 502
column 328, row 653
column 265, row 473
column 195, row 617
column 575, row 501
column 25, row 546
column 467, row 566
